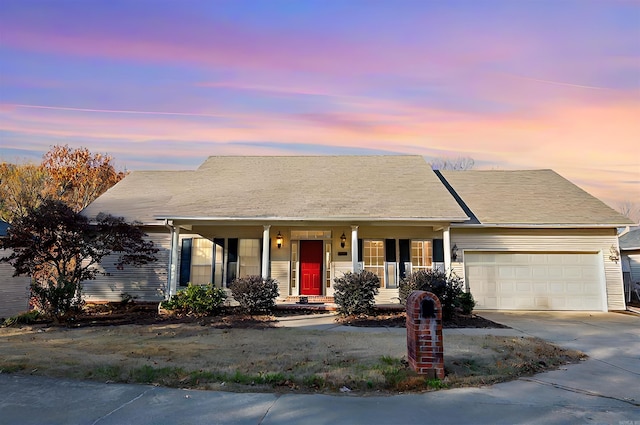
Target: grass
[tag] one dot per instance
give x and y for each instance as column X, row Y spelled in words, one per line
column 190, row 355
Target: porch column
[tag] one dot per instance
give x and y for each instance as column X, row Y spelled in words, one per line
column 173, row 265
column 446, row 244
column 354, row 248
column 265, row 251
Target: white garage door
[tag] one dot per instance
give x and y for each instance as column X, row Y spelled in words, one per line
column 535, row 281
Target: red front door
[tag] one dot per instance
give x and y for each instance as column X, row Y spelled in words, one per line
column 311, row 267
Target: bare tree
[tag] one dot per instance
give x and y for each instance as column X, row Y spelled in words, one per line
column 461, row 163
column 630, row 210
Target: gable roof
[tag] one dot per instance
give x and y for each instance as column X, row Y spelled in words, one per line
column 286, row 188
column 630, row 240
column 533, row 197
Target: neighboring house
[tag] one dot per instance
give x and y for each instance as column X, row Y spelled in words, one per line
column 520, row 239
column 630, row 256
column 14, row 291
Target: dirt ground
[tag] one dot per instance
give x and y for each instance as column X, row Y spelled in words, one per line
column 240, row 353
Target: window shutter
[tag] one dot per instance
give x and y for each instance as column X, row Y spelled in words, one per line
column 185, row 262
column 438, row 251
column 390, row 250
column 233, row 250
column 232, row 259
column 405, row 255
column 360, row 245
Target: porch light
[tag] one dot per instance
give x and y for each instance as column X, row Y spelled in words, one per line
column 343, row 240
column 454, row 252
column 614, row 254
column 279, row 239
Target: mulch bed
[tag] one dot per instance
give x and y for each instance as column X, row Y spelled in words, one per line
column 398, row 320
column 114, row 314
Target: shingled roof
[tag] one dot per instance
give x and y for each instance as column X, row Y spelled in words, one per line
column 630, row 240
column 286, row 188
column 533, row 197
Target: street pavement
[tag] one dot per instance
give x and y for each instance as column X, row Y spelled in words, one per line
column 605, row 389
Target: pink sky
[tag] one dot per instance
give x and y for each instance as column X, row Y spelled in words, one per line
column 514, row 85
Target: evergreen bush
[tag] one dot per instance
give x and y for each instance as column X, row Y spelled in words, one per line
column 255, row 294
column 355, row 293
column 448, row 288
column 197, row 300
column 467, row 303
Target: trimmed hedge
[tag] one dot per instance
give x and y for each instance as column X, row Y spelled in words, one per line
column 355, row 293
column 255, row 294
column 448, row 289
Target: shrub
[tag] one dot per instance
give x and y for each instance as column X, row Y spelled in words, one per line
column 57, row 297
column 447, row 288
column 467, row 303
column 198, row 300
column 26, row 318
column 355, row 292
column 255, row 294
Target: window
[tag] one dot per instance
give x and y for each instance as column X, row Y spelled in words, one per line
column 421, row 255
column 201, row 261
column 249, row 256
column 373, row 257
column 218, row 262
column 294, row 263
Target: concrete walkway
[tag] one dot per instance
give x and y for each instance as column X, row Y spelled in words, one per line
column 603, row 389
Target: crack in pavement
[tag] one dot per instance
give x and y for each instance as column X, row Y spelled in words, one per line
column 123, row 405
column 580, row 391
column 269, row 409
column 616, row 366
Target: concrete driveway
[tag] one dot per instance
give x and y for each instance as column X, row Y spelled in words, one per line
column 603, row 389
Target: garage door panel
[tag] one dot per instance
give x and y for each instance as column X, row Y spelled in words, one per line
column 535, row 281
column 507, row 287
column 506, row 272
column 572, row 272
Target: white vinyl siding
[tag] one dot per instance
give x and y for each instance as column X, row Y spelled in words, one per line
column 280, row 272
column 146, row 283
column 14, row 291
column 634, row 267
column 535, row 281
column 545, row 240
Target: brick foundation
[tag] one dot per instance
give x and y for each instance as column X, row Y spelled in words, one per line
column 425, row 351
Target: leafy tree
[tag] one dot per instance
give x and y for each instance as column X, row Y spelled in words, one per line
column 21, row 189
column 59, row 249
column 77, row 177
column 461, row 163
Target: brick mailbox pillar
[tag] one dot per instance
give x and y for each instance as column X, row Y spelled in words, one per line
column 424, row 334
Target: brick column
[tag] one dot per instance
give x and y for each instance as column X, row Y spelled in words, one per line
column 425, row 351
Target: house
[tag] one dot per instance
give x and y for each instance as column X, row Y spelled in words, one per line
column 14, row 291
column 519, row 239
column 629, row 242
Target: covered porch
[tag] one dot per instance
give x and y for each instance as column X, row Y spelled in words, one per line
column 304, row 258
